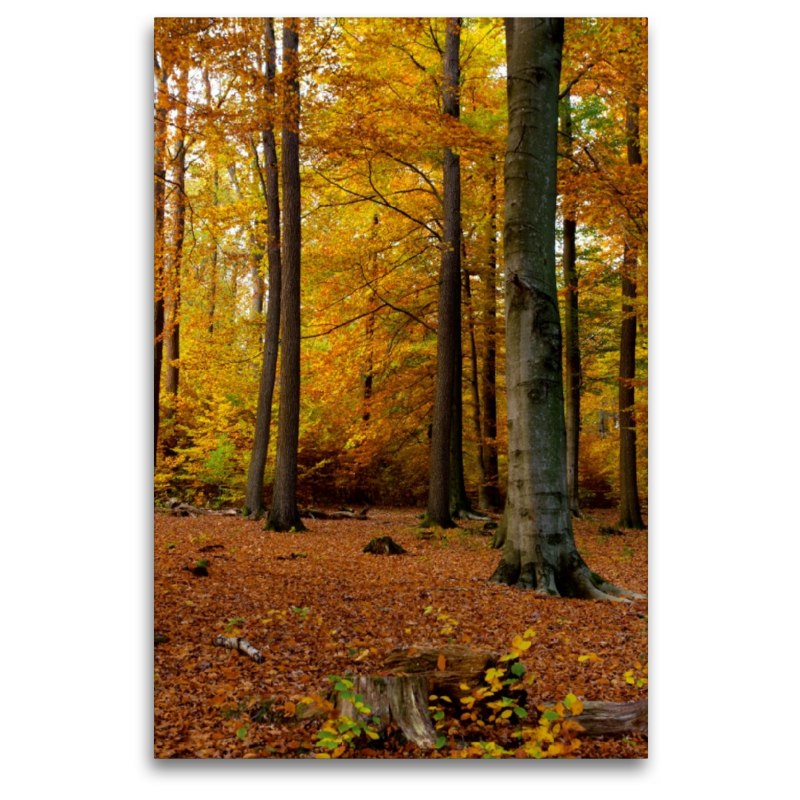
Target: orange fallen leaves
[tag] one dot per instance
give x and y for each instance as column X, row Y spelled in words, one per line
column 203, row 694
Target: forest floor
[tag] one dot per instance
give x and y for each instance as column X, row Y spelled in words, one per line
column 316, row 606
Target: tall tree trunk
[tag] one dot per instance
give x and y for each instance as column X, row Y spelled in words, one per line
column 254, row 497
column 159, row 177
column 214, row 200
column 489, row 491
column 460, row 507
column 473, row 383
column 449, row 329
column 540, row 551
column 630, row 515
column 571, row 341
column 173, row 337
column 284, row 514
column 369, row 367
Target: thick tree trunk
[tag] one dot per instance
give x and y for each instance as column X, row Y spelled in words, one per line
column 489, row 490
column 449, row 300
column 630, row 515
column 540, row 551
column 283, row 514
column 254, row 496
column 159, row 176
column 173, row 336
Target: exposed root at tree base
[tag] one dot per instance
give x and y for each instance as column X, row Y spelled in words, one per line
column 575, row 580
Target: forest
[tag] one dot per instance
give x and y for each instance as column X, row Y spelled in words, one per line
column 400, row 387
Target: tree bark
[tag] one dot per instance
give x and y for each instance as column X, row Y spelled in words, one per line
column 630, row 515
column 402, row 701
column 159, row 177
column 254, row 495
column 449, row 329
column 473, row 383
column 173, row 336
column 540, row 551
column 284, row 515
column 215, row 201
column 571, row 342
column 489, row 491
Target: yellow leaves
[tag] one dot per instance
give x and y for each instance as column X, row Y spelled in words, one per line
column 574, row 705
column 518, row 643
column 493, row 674
column 589, row 657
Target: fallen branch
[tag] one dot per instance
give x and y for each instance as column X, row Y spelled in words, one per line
column 242, row 645
column 599, row 718
column 178, row 509
column 316, row 513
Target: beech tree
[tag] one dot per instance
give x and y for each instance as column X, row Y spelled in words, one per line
column 539, row 551
column 172, row 336
column 283, row 513
column 571, row 337
column 630, row 515
column 254, row 498
column 449, row 329
column 159, row 176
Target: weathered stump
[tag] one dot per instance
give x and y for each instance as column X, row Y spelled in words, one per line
column 384, row 546
column 402, row 701
column 458, row 665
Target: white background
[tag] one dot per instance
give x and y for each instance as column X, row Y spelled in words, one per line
column 76, row 552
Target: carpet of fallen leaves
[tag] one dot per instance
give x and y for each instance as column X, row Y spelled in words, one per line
column 316, row 606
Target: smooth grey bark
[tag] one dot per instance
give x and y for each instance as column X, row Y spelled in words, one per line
column 449, row 330
column 572, row 350
column 489, row 490
column 283, row 513
column 539, row 551
column 173, row 329
column 630, row 514
column 159, row 177
column 254, row 495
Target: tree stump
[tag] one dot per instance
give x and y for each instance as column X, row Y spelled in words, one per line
column 402, row 701
column 384, row 546
column 461, row 665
